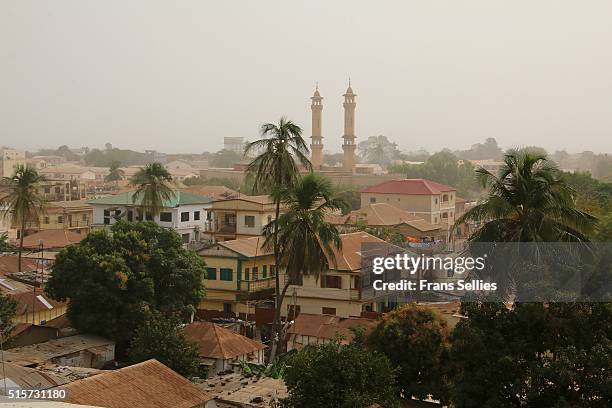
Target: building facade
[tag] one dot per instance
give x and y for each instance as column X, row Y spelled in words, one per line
column 434, row 202
column 187, row 214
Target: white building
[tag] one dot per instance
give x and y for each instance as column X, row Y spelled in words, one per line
column 235, row 144
column 188, row 214
column 10, row 159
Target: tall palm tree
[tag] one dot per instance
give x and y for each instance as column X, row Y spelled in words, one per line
column 24, row 203
column 307, row 244
column 153, row 188
column 528, row 201
column 114, row 172
column 281, row 150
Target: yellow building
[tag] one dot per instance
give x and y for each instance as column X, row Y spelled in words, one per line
column 241, row 271
column 75, row 216
column 237, row 272
column 241, row 217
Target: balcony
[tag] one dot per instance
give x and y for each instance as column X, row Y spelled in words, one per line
column 257, row 289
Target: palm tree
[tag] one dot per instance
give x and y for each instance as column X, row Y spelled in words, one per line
column 114, row 172
column 528, row 201
column 24, row 203
column 153, row 188
column 276, row 168
column 307, row 244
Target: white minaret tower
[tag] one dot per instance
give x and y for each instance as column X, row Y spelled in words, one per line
column 317, row 138
column 349, row 145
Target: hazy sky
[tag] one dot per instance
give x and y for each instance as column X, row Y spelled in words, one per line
column 177, row 76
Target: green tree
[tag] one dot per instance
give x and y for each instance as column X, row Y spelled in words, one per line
column 415, row 339
column 114, row 172
column 5, row 245
column 24, row 203
column 379, row 150
column 153, row 188
column 334, row 376
column 8, row 307
column 307, row 243
column 113, row 280
column 532, row 355
column 161, row 337
column 276, row 168
column 528, row 201
column 224, row 158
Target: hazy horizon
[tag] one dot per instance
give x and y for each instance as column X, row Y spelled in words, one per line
column 178, row 77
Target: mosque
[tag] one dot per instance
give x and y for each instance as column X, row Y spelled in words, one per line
column 348, row 144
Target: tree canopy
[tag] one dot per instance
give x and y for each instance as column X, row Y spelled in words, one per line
column 415, row 339
column 334, row 376
column 161, row 337
column 114, row 280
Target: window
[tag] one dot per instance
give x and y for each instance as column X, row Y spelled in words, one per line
column 46, row 220
column 249, row 221
column 47, row 190
column 330, row 281
column 227, row 307
column 246, row 273
column 130, row 215
column 264, row 271
column 211, row 274
column 165, row 217
column 225, row 274
column 272, row 270
column 444, row 215
column 106, row 221
column 185, row 216
column 196, row 216
column 255, row 271
column 149, row 217
column 107, row 213
column 435, row 220
column 328, row 310
column 445, row 198
column 436, row 200
column 186, row 238
column 60, row 219
column 84, row 217
column 372, row 199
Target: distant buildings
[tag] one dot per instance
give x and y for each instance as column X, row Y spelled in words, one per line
column 234, row 144
column 11, row 159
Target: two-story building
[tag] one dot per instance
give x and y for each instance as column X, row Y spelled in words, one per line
column 434, row 202
column 74, row 215
column 241, row 216
column 237, row 271
column 188, row 214
column 240, row 273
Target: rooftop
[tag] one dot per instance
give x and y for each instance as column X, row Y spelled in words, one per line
column 43, row 352
column 409, row 187
column 383, row 214
column 127, row 198
column 216, row 192
column 328, row 326
column 52, row 238
column 215, row 341
column 149, row 384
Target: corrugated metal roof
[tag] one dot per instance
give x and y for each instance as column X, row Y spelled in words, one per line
column 215, row 341
column 149, row 384
column 408, row 186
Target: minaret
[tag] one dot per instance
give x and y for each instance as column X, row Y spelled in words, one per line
column 348, row 145
column 317, row 139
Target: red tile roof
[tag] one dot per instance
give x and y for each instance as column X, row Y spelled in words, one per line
column 408, row 186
